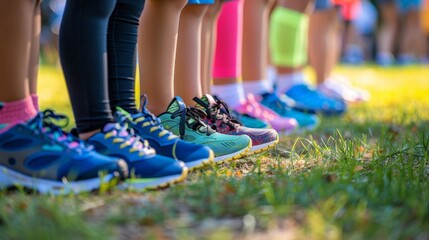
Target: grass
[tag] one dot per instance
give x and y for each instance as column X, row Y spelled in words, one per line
column 360, row 176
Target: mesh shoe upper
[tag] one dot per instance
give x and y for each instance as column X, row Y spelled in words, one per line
column 39, row 148
column 186, row 122
column 219, row 118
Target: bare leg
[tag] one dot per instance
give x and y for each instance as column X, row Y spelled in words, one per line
column 16, row 19
column 323, row 40
column 208, row 39
column 388, row 28
column 255, row 39
column 187, row 79
column 35, row 49
column 157, row 47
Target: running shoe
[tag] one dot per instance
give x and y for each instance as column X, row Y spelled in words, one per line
column 38, row 155
column 219, row 118
column 305, row 121
column 344, row 91
column 303, row 98
column 165, row 143
column 186, row 122
column 385, row 59
column 249, row 121
column 246, row 120
column 147, row 170
column 254, row 108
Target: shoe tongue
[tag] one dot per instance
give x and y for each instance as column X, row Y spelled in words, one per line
column 176, row 104
column 208, row 99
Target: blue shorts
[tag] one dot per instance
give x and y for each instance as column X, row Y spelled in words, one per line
column 321, row 5
column 201, row 2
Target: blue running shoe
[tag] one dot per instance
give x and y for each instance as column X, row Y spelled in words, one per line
column 305, row 99
column 149, row 127
column 38, row 155
column 147, row 170
column 306, row 121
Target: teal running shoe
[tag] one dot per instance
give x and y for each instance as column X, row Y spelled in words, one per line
column 147, row 170
column 38, row 155
column 249, row 121
column 305, row 121
column 186, row 122
column 149, row 127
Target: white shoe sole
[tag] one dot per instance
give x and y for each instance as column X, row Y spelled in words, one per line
column 10, row 178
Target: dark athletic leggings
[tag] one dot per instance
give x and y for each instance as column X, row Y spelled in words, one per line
column 97, row 51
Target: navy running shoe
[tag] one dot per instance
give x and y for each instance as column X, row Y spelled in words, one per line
column 147, row 170
column 303, row 98
column 38, row 155
column 149, row 127
column 305, row 121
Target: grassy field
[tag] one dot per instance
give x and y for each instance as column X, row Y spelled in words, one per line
column 360, row 176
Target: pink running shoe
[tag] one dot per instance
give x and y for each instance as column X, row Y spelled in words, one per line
column 253, row 108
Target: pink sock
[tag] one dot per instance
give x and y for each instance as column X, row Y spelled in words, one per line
column 12, row 113
column 35, row 100
column 227, row 63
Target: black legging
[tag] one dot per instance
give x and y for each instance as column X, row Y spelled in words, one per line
column 97, row 50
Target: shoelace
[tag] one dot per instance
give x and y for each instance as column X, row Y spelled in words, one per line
column 128, row 139
column 47, row 122
column 150, row 120
column 195, row 114
column 218, row 111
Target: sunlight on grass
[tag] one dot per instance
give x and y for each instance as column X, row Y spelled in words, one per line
column 360, row 176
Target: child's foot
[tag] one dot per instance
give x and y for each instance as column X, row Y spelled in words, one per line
column 38, row 155
column 303, row 98
column 305, row 121
column 186, row 122
column 253, row 108
column 147, row 170
column 218, row 116
column 149, row 127
column 343, row 91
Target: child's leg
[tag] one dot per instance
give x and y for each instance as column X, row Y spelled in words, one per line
column 288, row 41
column 157, row 48
column 187, row 78
column 208, row 39
column 34, row 54
column 121, row 47
column 16, row 18
column 83, row 53
column 323, row 42
column 255, row 40
column 387, row 32
column 227, row 63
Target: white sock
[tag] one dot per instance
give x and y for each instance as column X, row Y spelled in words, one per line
column 271, row 75
column 232, row 94
column 257, row 87
column 286, row 81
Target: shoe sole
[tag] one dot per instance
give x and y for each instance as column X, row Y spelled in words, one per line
column 194, row 165
column 141, row 184
column 263, row 147
column 10, row 178
column 233, row 156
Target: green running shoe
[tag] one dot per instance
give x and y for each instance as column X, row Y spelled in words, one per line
column 186, row 122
